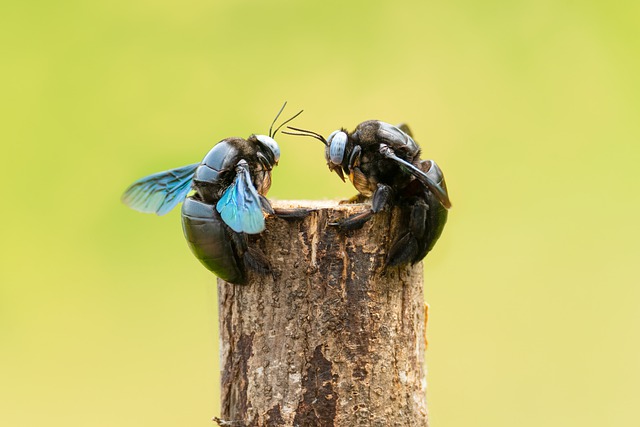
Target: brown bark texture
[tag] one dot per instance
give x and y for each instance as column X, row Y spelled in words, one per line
column 330, row 337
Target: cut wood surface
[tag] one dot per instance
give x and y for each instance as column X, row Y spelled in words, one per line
column 330, row 337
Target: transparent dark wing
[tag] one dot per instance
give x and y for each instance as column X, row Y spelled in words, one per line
column 397, row 138
column 240, row 206
column 160, row 192
column 405, row 128
column 434, row 180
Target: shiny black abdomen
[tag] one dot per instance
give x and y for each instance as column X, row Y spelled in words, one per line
column 435, row 220
column 212, row 241
column 423, row 218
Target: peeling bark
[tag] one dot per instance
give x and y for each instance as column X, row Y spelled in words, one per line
column 330, row 338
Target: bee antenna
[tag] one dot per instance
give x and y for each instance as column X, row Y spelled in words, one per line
column 274, row 120
column 285, row 122
column 305, row 132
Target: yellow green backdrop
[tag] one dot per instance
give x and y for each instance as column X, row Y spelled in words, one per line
column 530, row 107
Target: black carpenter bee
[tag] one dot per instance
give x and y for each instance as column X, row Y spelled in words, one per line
column 383, row 163
column 230, row 186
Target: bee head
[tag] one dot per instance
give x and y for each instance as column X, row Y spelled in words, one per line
column 271, row 146
column 334, row 151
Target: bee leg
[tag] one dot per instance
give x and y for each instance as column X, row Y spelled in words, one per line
column 381, row 197
column 409, row 246
column 256, row 260
column 252, row 258
column 402, row 250
column 354, row 222
column 358, row 198
column 292, row 214
column 266, row 205
column 379, row 201
column 284, row 213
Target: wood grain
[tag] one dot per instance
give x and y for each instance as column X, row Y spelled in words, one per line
column 329, row 338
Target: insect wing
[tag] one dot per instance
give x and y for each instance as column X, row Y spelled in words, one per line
column 160, row 192
column 428, row 179
column 405, row 128
column 439, row 189
column 240, row 206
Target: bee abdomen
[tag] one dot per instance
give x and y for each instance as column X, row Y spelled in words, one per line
column 210, row 240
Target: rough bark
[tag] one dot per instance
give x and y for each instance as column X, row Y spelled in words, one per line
column 330, row 338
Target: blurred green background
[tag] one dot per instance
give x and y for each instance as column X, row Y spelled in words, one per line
column 531, row 108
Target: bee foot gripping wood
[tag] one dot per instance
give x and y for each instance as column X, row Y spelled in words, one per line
column 330, row 337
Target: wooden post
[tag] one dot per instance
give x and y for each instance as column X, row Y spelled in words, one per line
column 330, row 338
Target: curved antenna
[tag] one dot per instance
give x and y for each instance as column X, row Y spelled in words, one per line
column 305, row 132
column 274, row 120
column 285, row 122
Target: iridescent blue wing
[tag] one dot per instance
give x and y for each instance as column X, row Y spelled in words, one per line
column 240, row 206
column 160, row 192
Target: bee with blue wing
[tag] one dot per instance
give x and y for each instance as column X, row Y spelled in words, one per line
column 229, row 202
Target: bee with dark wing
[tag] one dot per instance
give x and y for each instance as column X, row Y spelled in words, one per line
column 230, row 185
column 383, row 163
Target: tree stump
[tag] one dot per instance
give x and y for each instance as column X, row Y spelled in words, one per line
column 330, row 338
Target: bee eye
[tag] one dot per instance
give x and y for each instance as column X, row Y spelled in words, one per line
column 337, row 142
column 271, row 144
